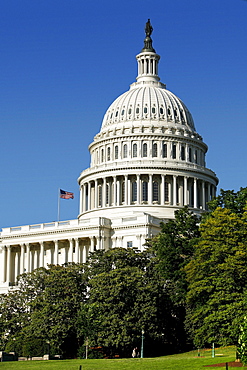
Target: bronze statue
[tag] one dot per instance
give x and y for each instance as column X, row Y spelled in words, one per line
column 148, row 28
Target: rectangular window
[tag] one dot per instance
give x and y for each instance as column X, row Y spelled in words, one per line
column 129, row 244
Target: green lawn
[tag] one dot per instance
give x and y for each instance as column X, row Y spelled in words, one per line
column 185, row 361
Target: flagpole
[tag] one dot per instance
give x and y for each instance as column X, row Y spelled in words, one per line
column 58, row 206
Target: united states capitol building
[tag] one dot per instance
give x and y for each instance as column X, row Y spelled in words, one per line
column 147, row 161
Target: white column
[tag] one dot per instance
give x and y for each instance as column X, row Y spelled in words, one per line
column 185, row 190
column 114, row 191
column 22, row 258
column 162, row 190
column 195, row 193
column 84, row 254
column 71, row 245
column 174, row 190
column 89, row 196
column 118, row 192
column 138, row 184
column 8, row 264
column 55, row 260
column 150, row 188
column 104, row 193
column 203, row 195
column 4, row 264
column 84, row 197
column 77, row 258
column 80, row 205
column 96, row 194
column 126, row 189
column 129, row 192
column 16, row 265
column 41, row 254
column 209, row 198
column 91, row 244
column 28, row 257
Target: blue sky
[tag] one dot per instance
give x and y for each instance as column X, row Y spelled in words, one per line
column 62, row 64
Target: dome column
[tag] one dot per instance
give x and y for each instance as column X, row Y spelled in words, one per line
column 175, row 190
column 195, row 192
column 138, row 188
column 162, row 192
column 203, row 195
column 150, row 185
column 126, row 189
column 96, row 194
column 84, row 205
column 185, row 190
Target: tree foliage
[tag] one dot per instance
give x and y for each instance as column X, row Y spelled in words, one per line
column 217, row 277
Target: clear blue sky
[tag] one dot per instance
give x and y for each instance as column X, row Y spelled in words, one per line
column 64, row 61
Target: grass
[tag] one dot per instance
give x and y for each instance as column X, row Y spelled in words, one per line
column 184, row 361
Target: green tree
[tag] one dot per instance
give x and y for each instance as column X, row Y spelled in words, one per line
column 174, row 247
column 126, row 297
column 235, row 201
column 217, row 277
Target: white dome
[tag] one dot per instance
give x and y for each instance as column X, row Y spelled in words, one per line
column 148, row 102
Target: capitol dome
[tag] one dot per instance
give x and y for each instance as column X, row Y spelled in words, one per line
column 147, row 156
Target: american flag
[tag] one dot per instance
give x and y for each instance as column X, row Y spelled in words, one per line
column 66, row 194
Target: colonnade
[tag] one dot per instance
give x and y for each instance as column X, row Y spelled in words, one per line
column 26, row 257
column 150, row 189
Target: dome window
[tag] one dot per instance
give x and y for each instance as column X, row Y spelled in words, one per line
column 153, row 110
column 102, row 155
column 137, row 110
column 116, row 114
column 164, row 150
column 145, row 150
column 155, row 150
column 183, row 153
column 155, row 191
column 134, row 150
column 100, row 196
column 116, row 152
column 130, row 110
column 190, row 155
column 122, row 112
column 175, row 113
column 174, row 151
column 134, row 191
column 196, row 157
column 161, row 111
column 125, row 151
column 145, row 110
column 166, row 191
column 123, row 192
column 108, row 153
column 145, row 191
column 111, row 115
column 169, row 111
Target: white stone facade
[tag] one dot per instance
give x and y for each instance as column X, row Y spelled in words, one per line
column 146, row 162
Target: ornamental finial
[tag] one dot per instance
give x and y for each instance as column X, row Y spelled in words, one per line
column 148, row 41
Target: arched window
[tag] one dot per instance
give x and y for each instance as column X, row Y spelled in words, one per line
column 166, row 191
column 107, row 194
column 125, row 151
column 155, row 150
column 134, row 191
column 108, row 153
column 123, row 192
column 190, row 155
column 155, row 191
column 100, row 196
column 134, row 150
column 116, row 152
column 145, row 191
column 145, row 150
column 102, row 155
column 183, row 153
column 196, row 157
column 164, row 150
column 174, row 151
